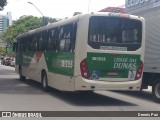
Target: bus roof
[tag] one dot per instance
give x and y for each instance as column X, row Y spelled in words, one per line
column 73, row 19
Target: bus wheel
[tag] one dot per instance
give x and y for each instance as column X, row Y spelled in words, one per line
column 21, row 77
column 156, row 90
column 44, row 81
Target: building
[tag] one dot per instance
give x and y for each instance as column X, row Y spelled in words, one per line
column 5, row 21
column 150, row 10
column 9, row 16
column 141, row 7
column 113, row 9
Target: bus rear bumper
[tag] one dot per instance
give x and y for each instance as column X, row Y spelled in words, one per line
column 84, row 84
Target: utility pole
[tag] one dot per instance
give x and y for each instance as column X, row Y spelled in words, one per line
column 88, row 5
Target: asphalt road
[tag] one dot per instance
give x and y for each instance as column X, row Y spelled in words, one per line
column 28, row 96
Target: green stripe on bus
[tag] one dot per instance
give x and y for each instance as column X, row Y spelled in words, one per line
column 60, row 62
column 24, row 58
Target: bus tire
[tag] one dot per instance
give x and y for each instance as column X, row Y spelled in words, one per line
column 156, row 91
column 21, row 77
column 44, row 81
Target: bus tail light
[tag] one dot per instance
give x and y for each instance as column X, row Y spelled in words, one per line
column 139, row 71
column 84, row 69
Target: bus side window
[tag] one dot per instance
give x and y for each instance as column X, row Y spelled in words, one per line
column 44, row 40
column 52, row 39
column 15, row 46
column 68, row 36
column 17, row 50
column 19, row 46
column 49, row 41
column 65, row 37
column 73, row 38
column 28, row 41
column 23, row 43
column 40, row 42
column 56, row 39
column 61, row 39
column 34, row 43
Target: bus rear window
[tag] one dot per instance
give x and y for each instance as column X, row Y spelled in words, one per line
column 114, row 33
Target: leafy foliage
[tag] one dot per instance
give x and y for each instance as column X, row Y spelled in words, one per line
column 24, row 24
column 2, row 50
column 2, row 4
column 47, row 20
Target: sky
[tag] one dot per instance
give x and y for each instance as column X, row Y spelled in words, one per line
column 56, row 8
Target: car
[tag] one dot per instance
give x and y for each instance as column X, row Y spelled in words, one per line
column 12, row 62
column 3, row 60
column 7, row 61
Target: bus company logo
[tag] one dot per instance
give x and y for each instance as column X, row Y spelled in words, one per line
column 6, row 114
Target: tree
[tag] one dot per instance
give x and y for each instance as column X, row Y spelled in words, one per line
column 24, row 24
column 2, row 50
column 2, row 4
column 47, row 20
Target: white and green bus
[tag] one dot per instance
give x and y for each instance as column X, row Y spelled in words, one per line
column 93, row 51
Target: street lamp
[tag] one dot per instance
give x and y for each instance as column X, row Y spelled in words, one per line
column 88, row 5
column 39, row 11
